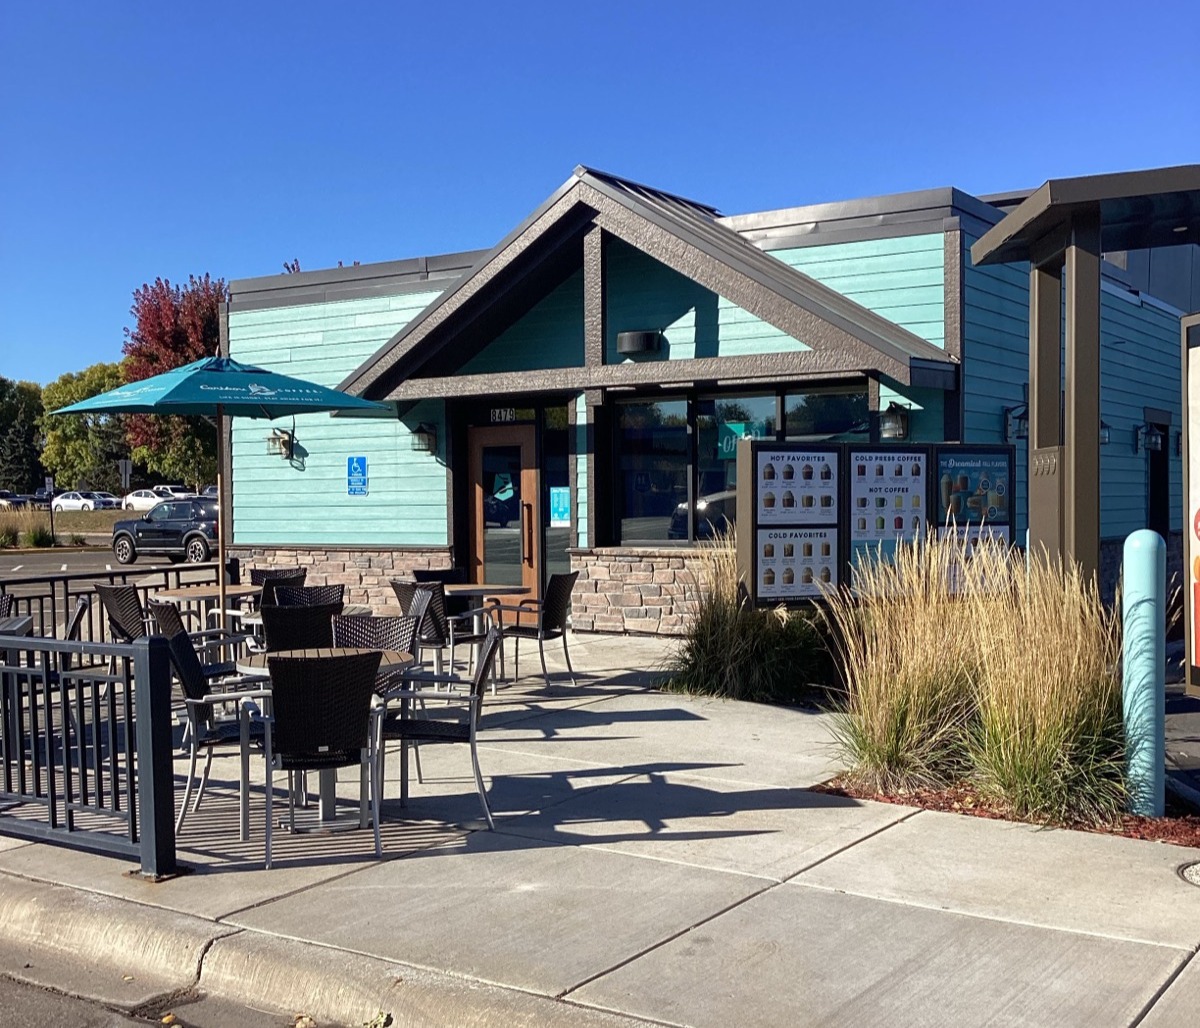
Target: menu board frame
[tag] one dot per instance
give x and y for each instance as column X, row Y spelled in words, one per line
column 766, row 528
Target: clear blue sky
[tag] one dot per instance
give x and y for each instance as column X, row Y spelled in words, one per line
column 144, row 139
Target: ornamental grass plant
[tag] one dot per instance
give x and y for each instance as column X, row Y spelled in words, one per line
column 908, row 664
column 740, row 652
column 1047, row 740
column 974, row 667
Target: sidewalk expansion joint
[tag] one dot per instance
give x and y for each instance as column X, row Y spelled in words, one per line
column 668, row 939
column 850, row 845
column 1162, row 990
column 997, row 918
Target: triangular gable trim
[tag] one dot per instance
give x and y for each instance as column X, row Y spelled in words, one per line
column 844, row 336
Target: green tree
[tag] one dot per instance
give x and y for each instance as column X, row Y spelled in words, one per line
column 83, row 449
column 20, row 408
column 173, row 326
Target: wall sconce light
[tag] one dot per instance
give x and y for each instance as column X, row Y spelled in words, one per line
column 281, row 443
column 1016, row 422
column 1147, row 436
column 424, row 438
column 1105, row 433
column 893, row 422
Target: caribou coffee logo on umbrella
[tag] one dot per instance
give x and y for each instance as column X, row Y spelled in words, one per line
column 260, row 390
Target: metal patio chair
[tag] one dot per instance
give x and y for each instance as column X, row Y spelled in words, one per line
column 442, row 631
column 204, row 690
column 550, row 621
column 402, row 727
column 6, row 605
column 127, row 619
column 321, row 719
column 298, row 628
column 169, row 621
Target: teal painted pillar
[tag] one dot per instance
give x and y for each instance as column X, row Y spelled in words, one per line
column 1144, row 632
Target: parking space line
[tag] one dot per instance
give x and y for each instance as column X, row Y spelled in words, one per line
column 17, row 567
column 63, row 568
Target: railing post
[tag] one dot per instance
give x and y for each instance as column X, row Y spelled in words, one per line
column 155, row 764
column 1143, row 667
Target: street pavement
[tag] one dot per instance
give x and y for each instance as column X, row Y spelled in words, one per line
column 657, row 859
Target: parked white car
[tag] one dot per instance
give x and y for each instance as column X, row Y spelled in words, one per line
column 174, row 492
column 141, row 499
column 110, row 499
column 82, row 501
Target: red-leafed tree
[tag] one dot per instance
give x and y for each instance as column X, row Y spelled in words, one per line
column 173, row 326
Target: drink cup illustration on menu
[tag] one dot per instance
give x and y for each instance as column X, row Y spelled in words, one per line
column 789, row 472
column 769, row 473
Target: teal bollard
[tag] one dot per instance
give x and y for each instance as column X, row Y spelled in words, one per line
column 1144, row 669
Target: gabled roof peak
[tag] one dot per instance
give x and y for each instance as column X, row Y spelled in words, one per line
column 584, row 173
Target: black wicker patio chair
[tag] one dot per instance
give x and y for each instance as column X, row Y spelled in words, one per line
column 298, row 628
column 310, row 595
column 127, row 620
column 272, row 578
column 204, row 690
column 455, row 605
column 547, row 619
column 442, row 630
column 6, row 605
column 404, row 728
column 321, row 720
column 169, row 621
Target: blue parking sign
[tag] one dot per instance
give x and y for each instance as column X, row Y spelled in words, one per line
column 356, row 476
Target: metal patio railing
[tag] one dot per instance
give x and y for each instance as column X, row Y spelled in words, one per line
column 49, row 599
column 86, row 747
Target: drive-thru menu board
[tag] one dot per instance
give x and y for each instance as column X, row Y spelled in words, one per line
column 797, row 487
column 1190, row 333
column 888, row 500
column 808, row 512
column 796, row 508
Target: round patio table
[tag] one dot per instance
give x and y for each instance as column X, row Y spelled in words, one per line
column 390, row 662
column 350, row 610
column 205, row 597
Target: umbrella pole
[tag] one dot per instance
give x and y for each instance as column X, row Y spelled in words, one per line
column 221, row 512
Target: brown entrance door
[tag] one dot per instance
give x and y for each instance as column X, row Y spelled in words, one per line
column 506, row 526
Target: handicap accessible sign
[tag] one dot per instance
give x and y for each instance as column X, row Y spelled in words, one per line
column 356, row 476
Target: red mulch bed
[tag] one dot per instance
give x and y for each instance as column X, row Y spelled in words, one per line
column 1181, row 826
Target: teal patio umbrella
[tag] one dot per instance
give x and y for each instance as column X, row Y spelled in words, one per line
column 215, row 387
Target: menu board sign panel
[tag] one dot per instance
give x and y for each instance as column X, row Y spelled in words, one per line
column 974, row 486
column 1191, row 519
column 795, row 563
column 887, row 496
column 796, row 487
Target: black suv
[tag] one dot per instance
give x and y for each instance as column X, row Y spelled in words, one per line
column 177, row 529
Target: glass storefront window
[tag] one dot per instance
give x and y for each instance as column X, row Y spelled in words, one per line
column 720, row 423
column 651, row 469
column 827, row 417
column 556, row 482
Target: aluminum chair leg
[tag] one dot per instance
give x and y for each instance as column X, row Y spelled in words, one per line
column 542, row 654
column 270, row 797
column 203, row 781
column 479, row 786
column 187, row 791
column 371, row 758
column 516, row 658
column 363, row 796
column 567, row 654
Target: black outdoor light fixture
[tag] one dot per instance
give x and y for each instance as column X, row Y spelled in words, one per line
column 1179, row 443
column 1016, row 422
column 424, row 438
column 893, row 422
column 1147, row 436
column 1105, row 433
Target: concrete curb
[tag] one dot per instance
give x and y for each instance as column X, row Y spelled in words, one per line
column 108, row 950
column 336, row 987
column 128, row 956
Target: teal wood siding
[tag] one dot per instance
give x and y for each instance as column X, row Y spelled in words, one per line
column 582, row 456
column 1139, row 367
column 996, row 361
column 305, row 501
column 901, row 279
column 643, row 294
column 548, row 336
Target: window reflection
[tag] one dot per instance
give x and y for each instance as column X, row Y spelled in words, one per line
column 720, row 423
column 828, row 417
column 652, row 468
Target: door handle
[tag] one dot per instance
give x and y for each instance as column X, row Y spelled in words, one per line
column 527, row 533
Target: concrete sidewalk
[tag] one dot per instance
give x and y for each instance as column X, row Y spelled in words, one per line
column 657, row 859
